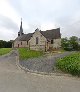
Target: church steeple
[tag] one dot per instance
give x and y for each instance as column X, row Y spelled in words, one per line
column 21, row 29
column 20, row 33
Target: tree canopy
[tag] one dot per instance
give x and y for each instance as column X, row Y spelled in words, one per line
column 70, row 44
column 5, row 44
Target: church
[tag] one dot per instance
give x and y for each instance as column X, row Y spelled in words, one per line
column 38, row 40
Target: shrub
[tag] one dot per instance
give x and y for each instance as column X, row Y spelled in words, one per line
column 70, row 64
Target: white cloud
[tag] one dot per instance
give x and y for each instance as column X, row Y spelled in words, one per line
column 6, row 34
column 47, row 14
column 8, row 11
column 48, row 26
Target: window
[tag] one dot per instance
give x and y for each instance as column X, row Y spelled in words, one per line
column 37, row 40
column 18, row 45
column 27, row 42
column 21, row 43
column 51, row 41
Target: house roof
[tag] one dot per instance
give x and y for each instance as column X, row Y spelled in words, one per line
column 24, row 37
column 48, row 34
column 51, row 34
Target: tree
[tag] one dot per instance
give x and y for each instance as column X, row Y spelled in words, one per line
column 74, row 42
column 5, row 44
column 70, row 44
column 65, row 44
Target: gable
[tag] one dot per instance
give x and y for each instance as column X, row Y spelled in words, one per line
column 38, row 34
column 37, row 38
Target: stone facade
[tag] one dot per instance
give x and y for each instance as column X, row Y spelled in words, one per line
column 20, row 44
column 43, row 44
column 41, row 41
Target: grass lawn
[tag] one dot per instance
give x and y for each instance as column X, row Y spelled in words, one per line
column 24, row 53
column 70, row 64
column 4, row 51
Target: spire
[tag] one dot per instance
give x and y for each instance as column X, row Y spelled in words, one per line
column 21, row 21
column 21, row 29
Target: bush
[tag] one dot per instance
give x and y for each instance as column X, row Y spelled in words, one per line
column 70, row 64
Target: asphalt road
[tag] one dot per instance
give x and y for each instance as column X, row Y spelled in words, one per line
column 13, row 79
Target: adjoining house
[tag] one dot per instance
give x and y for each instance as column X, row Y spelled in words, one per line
column 39, row 40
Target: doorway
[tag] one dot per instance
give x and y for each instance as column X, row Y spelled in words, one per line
column 18, row 45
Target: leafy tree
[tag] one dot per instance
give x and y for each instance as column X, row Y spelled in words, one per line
column 74, row 42
column 5, row 44
column 1, row 44
column 65, row 44
column 70, row 44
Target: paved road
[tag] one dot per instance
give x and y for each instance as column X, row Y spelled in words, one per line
column 13, row 79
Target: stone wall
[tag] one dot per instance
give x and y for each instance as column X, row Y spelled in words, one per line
column 57, row 43
column 20, row 44
column 41, row 41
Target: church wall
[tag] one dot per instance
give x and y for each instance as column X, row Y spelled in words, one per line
column 19, row 44
column 41, row 41
column 57, row 43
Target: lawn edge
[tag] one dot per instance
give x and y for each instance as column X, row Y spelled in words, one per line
column 7, row 54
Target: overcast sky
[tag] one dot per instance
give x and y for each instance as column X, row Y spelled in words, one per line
column 42, row 14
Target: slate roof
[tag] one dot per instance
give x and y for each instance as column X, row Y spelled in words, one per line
column 51, row 34
column 48, row 34
column 24, row 37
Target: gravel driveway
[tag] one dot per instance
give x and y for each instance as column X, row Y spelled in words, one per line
column 43, row 64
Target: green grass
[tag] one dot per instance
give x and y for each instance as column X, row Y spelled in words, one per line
column 70, row 64
column 26, row 54
column 4, row 51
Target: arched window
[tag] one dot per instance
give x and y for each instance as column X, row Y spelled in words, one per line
column 37, row 40
column 21, row 43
